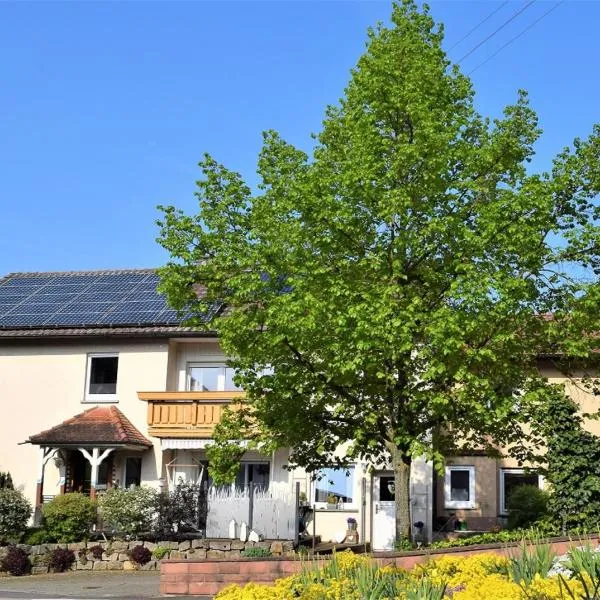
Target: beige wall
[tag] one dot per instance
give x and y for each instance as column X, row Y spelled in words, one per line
column 42, row 384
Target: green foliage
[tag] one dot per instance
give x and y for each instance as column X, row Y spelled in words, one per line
column 160, row 552
column 572, row 464
column 256, row 552
column 501, row 537
column 584, row 564
column 391, row 284
column 403, row 544
column 529, row 561
column 35, row 536
column 15, row 511
column 6, row 481
column 129, row 511
column 69, row 517
column 527, row 505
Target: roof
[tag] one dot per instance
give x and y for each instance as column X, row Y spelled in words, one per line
column 102, row 425
column 83, row 303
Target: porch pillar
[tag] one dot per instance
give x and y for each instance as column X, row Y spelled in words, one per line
column 44, row 456
column 95, row 460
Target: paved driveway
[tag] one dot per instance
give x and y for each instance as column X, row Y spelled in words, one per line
column 82, row 584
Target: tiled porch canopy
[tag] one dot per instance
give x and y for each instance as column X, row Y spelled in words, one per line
column 95, row 433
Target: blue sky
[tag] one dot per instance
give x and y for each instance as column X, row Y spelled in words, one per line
column 106, row 107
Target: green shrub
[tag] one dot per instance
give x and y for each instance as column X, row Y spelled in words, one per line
column 6, row 481
column 69, row 517
column 15, row 511
column 128, row 511
column 160, row 552
column 527, row 504
column 256, row 552
column 35, row 536
column 16, row 562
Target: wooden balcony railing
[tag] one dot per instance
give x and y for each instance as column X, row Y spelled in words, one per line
column 186, row 414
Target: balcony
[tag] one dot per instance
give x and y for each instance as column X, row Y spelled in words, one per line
column 186, row 414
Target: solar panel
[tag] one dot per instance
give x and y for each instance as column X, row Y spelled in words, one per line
column 88, row 299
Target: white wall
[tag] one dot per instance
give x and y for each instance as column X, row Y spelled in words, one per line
column 43, row 384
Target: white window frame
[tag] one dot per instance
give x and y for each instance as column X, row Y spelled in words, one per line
column 346, row 505
column 99, row 398
column 503, row 509
column 208, row 365
column 448, row 502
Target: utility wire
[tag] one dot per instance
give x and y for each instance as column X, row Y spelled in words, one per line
column 491, row 35
column 514, row 39
column 464, row 37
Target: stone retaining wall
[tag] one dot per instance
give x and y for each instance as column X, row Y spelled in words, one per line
column 207, row 577
column 115, row 555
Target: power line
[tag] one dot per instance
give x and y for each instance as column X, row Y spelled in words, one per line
column 516, row 37
column 464, row 37
column 491, row 35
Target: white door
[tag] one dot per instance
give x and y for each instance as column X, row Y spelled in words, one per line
column 384, row 510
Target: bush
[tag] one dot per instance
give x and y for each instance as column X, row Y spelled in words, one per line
column 69, row 517
column 160, row 552
column 6, row 481
column 129, row 511
column 16, row 562
column 35, row 536
column 96, row 551
column 15, row 511
column 140, row 555
column 61, row 560
column 180, row 510
column 527, row 504
column 256, row 552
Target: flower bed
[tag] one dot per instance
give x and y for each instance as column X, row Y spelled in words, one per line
column 530, row 573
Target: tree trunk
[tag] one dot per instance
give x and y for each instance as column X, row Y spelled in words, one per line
column 401, row 465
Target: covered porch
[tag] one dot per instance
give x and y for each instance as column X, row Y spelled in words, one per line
column 85, row 449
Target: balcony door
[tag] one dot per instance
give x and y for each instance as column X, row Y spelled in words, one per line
column 210, row 377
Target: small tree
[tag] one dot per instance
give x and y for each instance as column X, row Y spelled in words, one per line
column 69, row 517
column 15, row 511
column 129, row 511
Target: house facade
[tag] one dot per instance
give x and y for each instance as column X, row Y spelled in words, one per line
column 101, row 386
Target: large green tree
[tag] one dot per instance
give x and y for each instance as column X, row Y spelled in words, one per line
column 391, row 285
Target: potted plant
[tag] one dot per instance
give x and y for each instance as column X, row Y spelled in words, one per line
column 352, row 524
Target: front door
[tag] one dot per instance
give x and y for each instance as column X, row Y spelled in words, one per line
column 384, row 510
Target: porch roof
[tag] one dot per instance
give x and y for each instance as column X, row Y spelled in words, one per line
column 98, row 426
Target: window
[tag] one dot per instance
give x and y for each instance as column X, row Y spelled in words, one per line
column 338, row 483
column 256, row 473
column 210, row 378
column 459, row 487
column 510, row 479
column 101, row 383
column 133, row 471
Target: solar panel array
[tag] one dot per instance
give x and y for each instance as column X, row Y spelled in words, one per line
column 100, row 299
